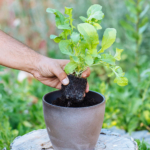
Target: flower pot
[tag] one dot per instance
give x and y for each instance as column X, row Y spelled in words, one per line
column 73, row 128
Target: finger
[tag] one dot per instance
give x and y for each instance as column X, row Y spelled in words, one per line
column 86, row 73
column 87, row 88
column 55, row 83
column 84, row 94
column 61, row 75
column 63, row 62
column 58, row 86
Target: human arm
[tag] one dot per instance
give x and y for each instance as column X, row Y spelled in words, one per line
column 14, row 54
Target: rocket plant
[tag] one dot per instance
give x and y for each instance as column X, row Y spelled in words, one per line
column 81, row 42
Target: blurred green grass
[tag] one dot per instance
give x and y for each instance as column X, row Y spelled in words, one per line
column 21, row 102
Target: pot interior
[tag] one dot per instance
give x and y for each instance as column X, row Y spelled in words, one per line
column 50, row 97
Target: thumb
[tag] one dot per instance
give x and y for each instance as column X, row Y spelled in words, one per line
column 61, row 75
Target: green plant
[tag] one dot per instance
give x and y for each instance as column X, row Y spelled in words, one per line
column 136, row 95
column 142, row 145
column 7, row 134
column 81, row 46
column 20, row 107
column 135, row 24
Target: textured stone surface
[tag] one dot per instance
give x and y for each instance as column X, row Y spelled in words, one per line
column 38, row 140
column 136, row 134
column 141, row 134
column 116, row 130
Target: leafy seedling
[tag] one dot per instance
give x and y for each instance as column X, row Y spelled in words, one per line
column 81, row 42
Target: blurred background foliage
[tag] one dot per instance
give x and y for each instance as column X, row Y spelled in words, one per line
column 127, row 107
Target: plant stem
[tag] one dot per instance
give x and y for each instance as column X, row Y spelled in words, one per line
column 137, row 43
column 70, row 18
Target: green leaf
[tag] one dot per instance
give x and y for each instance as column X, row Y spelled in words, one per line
column 118, row 54
column 75, row 58
column 95, row 12
column 108, row 38
column 97, row 60
column 143, row 22
column 142, row 29
column 131, row 2
column 53, row 36
column 145, row 73
column 50, row 10
column 108, row 59
column 133, row 124
column 142, row 145
column 59, row 17
column 65, row 33
column 92, row 52
column 68, row 11
column 143, row 25
column 83, row 46
column 131, row 18
column 111, row 74
column 88, row 60
column 97, row 26
column 70, row 67
column 27, row 124
column 75, row 37
column 122, row 81
column 133, row 35
column 83, row 18
column 65, row 47
column 89, row 33
column 144, row 11
column 57, row 39
column 127, row 26
column 135, row 105
column 1, row 87
column 65, row 26
column 146, row 115
column 131, row 6
column 119, row 71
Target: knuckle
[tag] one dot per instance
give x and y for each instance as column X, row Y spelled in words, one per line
column 37, row 76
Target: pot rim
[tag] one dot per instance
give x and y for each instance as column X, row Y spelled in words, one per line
column 61, row 107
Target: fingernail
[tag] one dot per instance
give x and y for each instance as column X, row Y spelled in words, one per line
column 65, row 81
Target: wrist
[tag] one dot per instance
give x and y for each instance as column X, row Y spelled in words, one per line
column 33, row 61
column 38, row 64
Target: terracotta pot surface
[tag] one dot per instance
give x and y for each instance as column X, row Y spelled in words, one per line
column 73, row 128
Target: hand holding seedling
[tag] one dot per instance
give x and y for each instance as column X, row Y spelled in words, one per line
column 49, row 71
column 81, row 43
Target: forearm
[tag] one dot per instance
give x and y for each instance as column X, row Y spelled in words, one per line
column 14, row 54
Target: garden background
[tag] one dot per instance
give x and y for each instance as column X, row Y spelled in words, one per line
column 127, row 107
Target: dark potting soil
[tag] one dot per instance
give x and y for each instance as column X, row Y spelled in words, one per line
column 73, row 94
column 87, row 101
column 75, row 89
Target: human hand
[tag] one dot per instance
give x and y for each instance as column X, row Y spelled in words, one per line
column 51, row 72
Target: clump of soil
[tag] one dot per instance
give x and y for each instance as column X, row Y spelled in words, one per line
column 87, row 101
column 73, row 94
column 75, row 89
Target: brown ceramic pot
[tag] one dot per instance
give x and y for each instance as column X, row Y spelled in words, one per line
column 73, row 128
